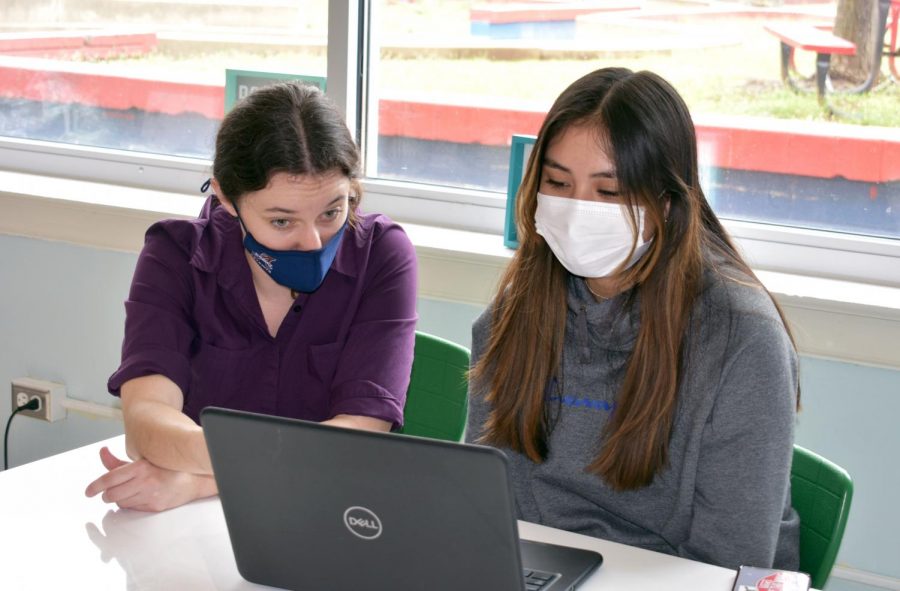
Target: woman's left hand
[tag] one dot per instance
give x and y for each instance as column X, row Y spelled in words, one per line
column 143, row 486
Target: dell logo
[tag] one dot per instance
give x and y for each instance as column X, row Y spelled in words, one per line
column 362, row 523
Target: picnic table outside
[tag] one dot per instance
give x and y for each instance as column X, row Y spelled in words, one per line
column 891, row 50
column 814, row 37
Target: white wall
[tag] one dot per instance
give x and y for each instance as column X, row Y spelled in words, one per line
column 61, row 319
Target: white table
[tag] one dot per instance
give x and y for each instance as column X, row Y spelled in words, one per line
column 53, row 537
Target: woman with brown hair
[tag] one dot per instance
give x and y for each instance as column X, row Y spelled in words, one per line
column 281, row 298
column 640, row 378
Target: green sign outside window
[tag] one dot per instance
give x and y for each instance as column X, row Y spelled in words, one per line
column 240, row 83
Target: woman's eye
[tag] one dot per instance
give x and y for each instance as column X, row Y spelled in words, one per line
column 281, row 223
column 331, row 214
column 554, row 183
column 606, row 193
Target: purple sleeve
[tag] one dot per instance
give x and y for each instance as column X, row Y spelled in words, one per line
column 158, row 329
column 373, row 372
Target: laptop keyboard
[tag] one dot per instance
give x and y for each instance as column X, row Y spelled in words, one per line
column 535, row 580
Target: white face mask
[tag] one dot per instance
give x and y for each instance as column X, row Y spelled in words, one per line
column 589, row 238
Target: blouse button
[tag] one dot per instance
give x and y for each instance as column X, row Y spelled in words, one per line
column 297, row 309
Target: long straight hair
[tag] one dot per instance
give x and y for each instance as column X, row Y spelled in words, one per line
column 644, row 126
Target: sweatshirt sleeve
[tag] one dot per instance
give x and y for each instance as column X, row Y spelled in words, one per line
column 742, row 480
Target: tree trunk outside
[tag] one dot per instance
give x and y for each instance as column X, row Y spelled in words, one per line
column 855, row 22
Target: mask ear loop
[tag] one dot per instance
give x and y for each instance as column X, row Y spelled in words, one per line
column 240, row 220
column 205, row 187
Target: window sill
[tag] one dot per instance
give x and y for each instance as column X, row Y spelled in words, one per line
column 843, row 320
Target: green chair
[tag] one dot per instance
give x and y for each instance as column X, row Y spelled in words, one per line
column 821, row 492
column 436, row 401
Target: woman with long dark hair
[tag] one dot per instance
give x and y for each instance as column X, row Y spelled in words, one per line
column 641, row 379
column 282, row 298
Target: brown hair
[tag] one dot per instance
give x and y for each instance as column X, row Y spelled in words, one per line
column 645, row 127
column 288, row 127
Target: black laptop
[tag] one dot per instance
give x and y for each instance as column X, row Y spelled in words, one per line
column 311, row 506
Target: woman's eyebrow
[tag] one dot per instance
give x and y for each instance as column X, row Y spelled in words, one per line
column 551, row 163
column 606, row 174
column 287, row 211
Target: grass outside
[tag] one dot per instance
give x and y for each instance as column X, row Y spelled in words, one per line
column 737, row 73
column 726, row 66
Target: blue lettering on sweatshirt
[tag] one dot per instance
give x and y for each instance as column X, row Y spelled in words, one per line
column 576, row 402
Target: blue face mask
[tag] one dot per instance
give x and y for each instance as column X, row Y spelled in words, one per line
column 300, row 270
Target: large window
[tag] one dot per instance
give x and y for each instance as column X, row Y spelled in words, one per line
column 144, row 75
column 131, row 91
column 456, row 79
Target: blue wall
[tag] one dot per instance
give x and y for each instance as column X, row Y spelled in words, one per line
column 850, row 415
column 61, row 318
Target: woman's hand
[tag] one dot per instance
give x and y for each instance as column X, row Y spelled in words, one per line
column 143, row 486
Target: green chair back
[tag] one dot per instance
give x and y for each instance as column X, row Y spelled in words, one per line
column 821, row 492
column 436, row 401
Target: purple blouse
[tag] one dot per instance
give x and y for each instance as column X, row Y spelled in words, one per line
column 193, row 316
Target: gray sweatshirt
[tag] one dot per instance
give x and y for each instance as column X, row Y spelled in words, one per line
column 724, row 495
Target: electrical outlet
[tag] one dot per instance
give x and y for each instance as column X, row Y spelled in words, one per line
column 50, row 395
column 19, row 399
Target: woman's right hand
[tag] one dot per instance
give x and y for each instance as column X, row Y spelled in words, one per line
column 144, row 486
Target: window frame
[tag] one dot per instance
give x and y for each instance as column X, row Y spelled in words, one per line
column 769, row 247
